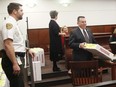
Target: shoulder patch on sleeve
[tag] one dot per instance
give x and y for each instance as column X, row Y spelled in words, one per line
column 9, row 26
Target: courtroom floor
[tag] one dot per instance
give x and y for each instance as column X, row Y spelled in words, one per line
column 48, row 68
column 48, row 65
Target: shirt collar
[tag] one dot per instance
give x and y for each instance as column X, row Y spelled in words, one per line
column 12, row 18
column 84, row 30
column 53, row 19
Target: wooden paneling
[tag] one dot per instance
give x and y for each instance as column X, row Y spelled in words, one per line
column 33, row 38
column 40, row 37
column 97, row 29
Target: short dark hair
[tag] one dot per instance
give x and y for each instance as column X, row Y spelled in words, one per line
column 13, row 6
column 53, row 13
column 80, row 17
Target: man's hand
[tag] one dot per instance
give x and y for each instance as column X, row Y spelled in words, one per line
column 16, row 69
column 82, row 45
column 32, row 53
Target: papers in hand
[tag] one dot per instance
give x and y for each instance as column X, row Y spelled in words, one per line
column 98, row 50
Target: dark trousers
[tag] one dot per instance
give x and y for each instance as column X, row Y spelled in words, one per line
column 15, row 80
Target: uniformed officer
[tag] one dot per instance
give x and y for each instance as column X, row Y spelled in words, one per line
column 13, row 46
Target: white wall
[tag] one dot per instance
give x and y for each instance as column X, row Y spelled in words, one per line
column 97, row 12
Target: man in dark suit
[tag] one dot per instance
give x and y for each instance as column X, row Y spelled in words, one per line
column 78, row 38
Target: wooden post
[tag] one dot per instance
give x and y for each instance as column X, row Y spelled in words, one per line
column 29, row 59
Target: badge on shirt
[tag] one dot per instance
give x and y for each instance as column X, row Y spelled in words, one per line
column 19, row 60
column 9, row 26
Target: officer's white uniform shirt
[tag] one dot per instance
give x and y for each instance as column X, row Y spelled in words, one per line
column 1, row 41
column 11, row 30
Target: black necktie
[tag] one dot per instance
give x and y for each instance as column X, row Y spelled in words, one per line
column 86, row 36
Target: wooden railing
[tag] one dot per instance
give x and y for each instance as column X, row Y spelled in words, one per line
column 40, row 37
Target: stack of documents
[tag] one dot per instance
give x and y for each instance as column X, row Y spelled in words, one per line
column 98, row 50
column 37, row 70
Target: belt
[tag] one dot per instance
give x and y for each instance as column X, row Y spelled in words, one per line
column 20, row 54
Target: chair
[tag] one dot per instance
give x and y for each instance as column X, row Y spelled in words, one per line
column 85, row 72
